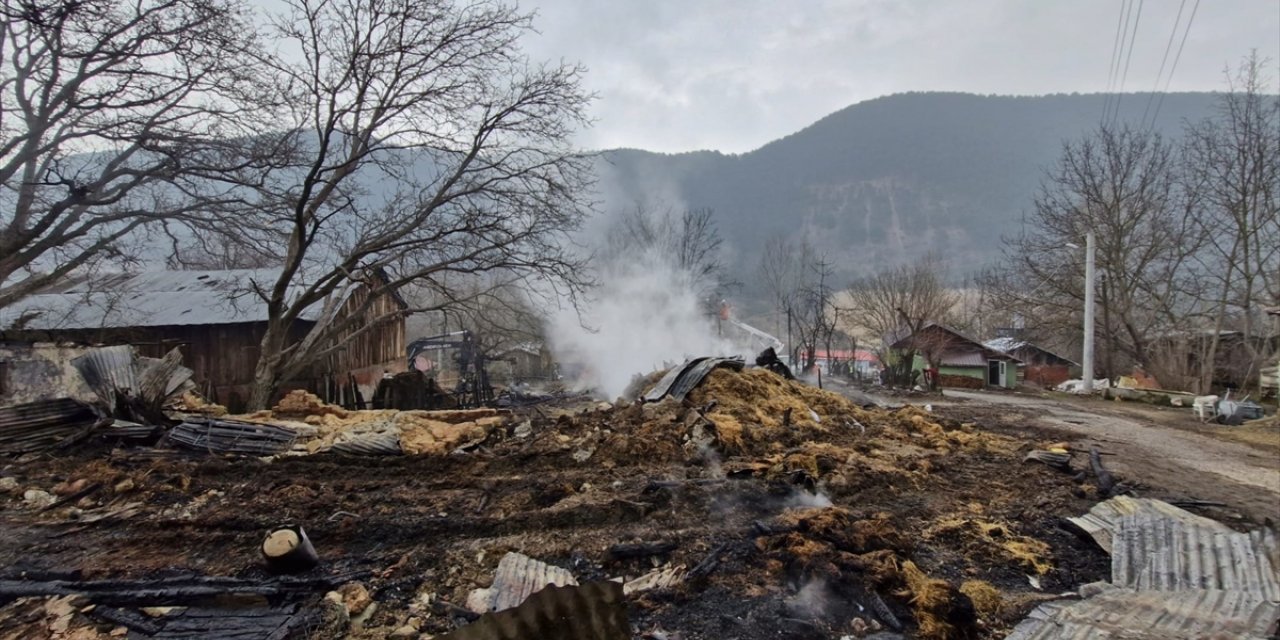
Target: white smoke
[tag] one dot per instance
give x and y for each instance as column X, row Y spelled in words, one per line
column 800, row 499
column 643, row 317
column 811, row 601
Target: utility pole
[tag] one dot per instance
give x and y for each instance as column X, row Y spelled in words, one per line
column 1087, row 383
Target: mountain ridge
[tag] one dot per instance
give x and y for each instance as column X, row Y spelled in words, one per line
column 888, row 179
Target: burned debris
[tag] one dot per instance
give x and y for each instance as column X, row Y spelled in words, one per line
column 735, row 503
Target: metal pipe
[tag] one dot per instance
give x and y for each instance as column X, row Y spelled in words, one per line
column 1087, row 383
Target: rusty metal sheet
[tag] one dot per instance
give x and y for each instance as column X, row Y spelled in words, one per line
column 34, row 426
column 1153, row 615
column 594, row 611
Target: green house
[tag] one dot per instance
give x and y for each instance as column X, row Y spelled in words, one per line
column 959, row 355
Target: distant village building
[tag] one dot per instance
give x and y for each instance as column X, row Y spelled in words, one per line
column 216, row 318
column 963, row 360
column 1039, row 365
column 860, row 363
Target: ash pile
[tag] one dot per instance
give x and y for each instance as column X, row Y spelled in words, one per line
column 722, row 501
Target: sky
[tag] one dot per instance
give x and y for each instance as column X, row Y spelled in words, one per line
column 732, row 75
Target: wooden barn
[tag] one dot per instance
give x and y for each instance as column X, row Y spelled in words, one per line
column 214, row 317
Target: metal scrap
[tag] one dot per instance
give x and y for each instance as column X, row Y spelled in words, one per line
column 594, row 611
column 232, row 436
column 518, row 576
column 382, row 443
column 36, row 426
column 1152, row 615
column 1174, row 575
column 130, row 387
column 688, row 376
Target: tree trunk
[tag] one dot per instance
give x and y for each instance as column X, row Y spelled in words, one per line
column 267, row 373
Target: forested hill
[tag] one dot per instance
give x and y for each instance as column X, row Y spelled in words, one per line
column 887, row 179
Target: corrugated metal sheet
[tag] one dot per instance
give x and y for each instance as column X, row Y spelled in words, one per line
column 519, row 576
column 681, row 380
column 108, row 371
column 232, row 436
column 151, row 299
column 1153, row 615
column 594, row 611
column 34, row 426
column 664, row 384
column 1103, row 519
column 1158, row 553
column 372, row 444
column 1176, row 575
column 693, row 377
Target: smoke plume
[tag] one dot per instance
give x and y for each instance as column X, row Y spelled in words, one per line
column 643, row 317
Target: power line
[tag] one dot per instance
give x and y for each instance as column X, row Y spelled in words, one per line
column 1117, row 50
column 1176, row 58
column 1133, row 38
column 1167, row 48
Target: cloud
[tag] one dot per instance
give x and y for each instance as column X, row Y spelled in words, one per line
column 733, row 75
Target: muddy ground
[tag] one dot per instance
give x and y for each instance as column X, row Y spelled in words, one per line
column 797, row 535
column 1162, row 453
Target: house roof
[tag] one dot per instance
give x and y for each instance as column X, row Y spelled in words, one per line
column 861, row 355
column 149, row 299
column 1011, row 345
column 961, row 350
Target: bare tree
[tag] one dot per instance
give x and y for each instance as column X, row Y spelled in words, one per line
column 1122, row 185
column 1233, row 166
column 688, row 241
column 112, row 117
column 422, row 144
column 898, row 302
column 799, row 284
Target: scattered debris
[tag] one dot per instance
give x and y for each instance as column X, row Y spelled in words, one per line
column 1173, row 575
column 594, row 611
column 518, row 576
column 660, row 579
column 287, row 549
column 38, row 426
column 679, row 381
column 217, row 435
column 1059, row 459
column 907, row 520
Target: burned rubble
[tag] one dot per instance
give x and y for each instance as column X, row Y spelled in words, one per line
column 739, row 504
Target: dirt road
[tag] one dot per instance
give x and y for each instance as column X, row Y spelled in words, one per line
column 1158, row 460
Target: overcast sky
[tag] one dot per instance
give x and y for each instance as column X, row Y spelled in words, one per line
column 679, row 75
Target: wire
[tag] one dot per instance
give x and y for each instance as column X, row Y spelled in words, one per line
column 1122, row 24
column 1167, row 48
column 1176, row 58
column 1111, row 66
column 1133, row 38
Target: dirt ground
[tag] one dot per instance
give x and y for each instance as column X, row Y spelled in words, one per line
column 806, row 516
column 1160, row 453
